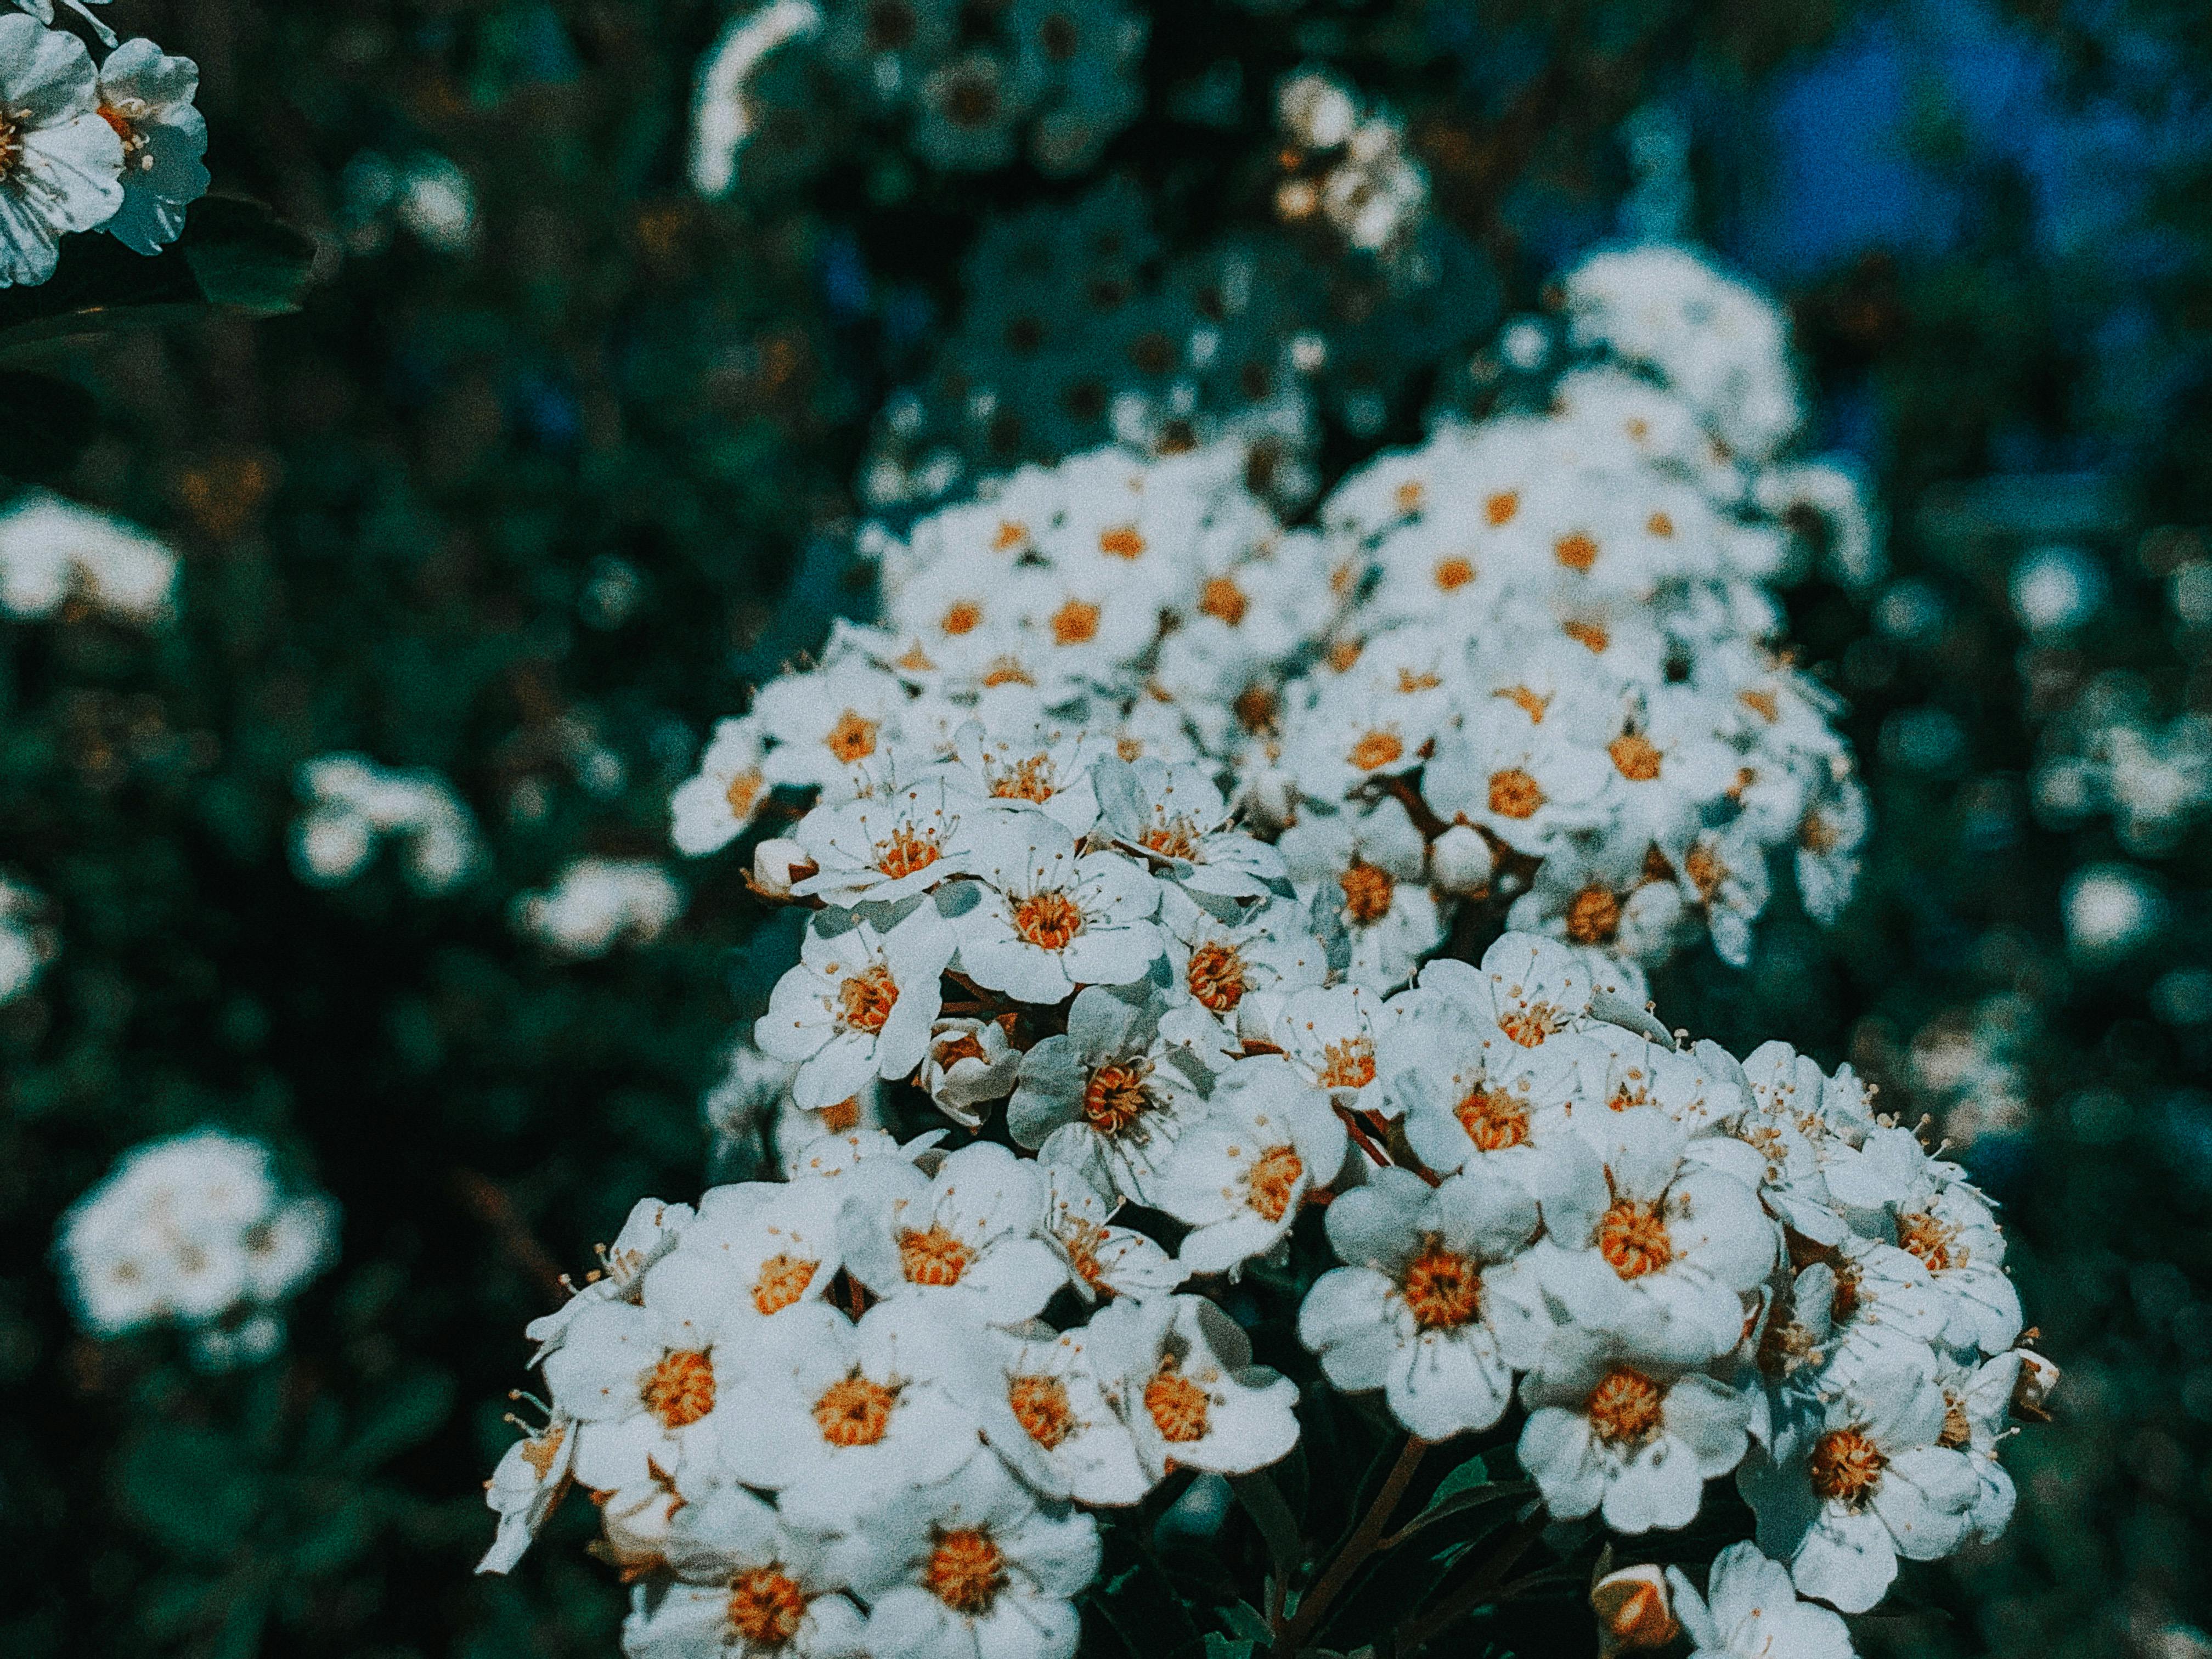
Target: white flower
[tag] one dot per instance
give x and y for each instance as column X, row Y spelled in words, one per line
column 760, row 1247
column 964, row 1244
column 1182, row 1373
column 652, row 1382
column 1060, row 1432
column 596, row 904
column 1611, row 1429
column 1524, row 782
column 1687, row 1239
column 1367, row 867
column 529, row 1481
column 722, row 116
column 1113, row 1094
column 353, row 804
column 649, row 1232
column 61, row 164
column 1266, row 948
column 828, row 728
column 1046, row 921
column 1467, row 1091
column 1410, row 1313
column 860, row 1002
column 1177, row 815
column 25, row 944
column 1239, row 1175
column 147, row 97
column 711, row 808
column 883, row 847
column 969, row 1064
column 1751, row 1611
column 1024, row 764
column 1103, row 1260
column 1874, row 1483
column 837, row 1416
column 748, row 1586
column 1330, row 1035
column 52, row 551
column 973, row 1568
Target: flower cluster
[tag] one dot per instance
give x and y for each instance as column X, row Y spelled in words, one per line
column 195, row 1231
column 27, row 943
column 56, row 555
column 829, row 1410
column 354, row 806
column 2108, row 755
column 789, row 81
column 1347, row 167
column 112, row 147
column 596, row 904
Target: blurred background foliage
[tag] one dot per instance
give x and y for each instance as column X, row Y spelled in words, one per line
column 557, row 458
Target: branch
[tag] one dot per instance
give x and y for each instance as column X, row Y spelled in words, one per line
column 488, row 1202
column 1356, row 1550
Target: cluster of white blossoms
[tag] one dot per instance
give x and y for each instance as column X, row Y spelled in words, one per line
column 355, row 806
column 195, row 1231
column 27, row 943
column 55, row 554
column 1346, row 166
column 596, row 904
column 114, row 146
column 2109, row 754
column 828, row 1411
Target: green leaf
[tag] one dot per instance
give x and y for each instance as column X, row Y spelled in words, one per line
column 234, row 256
column 192, row 1489
column 409, row 1410
column 44, row 425
column 1468, row 1486
column 1219, row 1646
column 1270, row 1511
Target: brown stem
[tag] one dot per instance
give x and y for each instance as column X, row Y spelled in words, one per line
column 1356, row 1550
column 1376, row 1155
column 488, row 1200
column 1417, row 1632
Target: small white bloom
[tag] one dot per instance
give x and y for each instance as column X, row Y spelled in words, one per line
column 1046, row 921
column 1103, row 1260
column 969, row 1064
column 964, row 1243
column 529, row 1481
column 1750, row 1610
column 147, row 97
column 61, row 164
column 711, row 808
column 1239, row 1175
column 596, row 904
column 1410, row 1312
column 52, row 549
column 859, row 1004
column 883, row 847
column 1060, row 1431
column 747, row 1586
column 1182, row 1373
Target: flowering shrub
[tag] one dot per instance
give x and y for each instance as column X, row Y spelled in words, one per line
column 1163, row 851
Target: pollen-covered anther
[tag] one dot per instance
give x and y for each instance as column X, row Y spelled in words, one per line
column 1635, row 757
column 1514, row 795
column 680, row 1389
column 766, row 1606
column 1846, row 1466
column 1177, row 1405
column 1029, row 779
column 966, row 1569
column 1633, row 1238
column 1454, row 573
column 853, row 738
column 934, row 1255
column 1176, row 839
column 1493, row 1119
column 1368, row 891
column 854, row 1412
column 1117, row 1096
column 864, row 1000
column 1442, row 1288
column 1375, row 750
column 961, row 617
column 1347, row 1065
column 1624, row 1407
column 1575, row 552
column 1223, row 599
column 1934, row 1242
column 906, row 850
column 1123, row 541
column 1076, row 623
column 1593, row 915
column 1275, row 1181
column 1048, row 920
column 744, row 793
column 1040, row 1406
column 1216, row 975
column 781, row 1281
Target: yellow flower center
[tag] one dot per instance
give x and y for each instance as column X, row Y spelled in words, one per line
column 1177, row 1406
column 1274, row 1178
column 966, row 1571
column 1634, row 1237
column 853, row 738
column 680, row 1389
column 934, row 1257
column 1040, row 1406
column 1514, row 795
column 1624, row 1407
column 1443, row 1289
column 854, row 1412
column 1216, row 975
column 1048, row 920
column 781, row 1281
column 1367, row 892
column 1846, row 1465
column 767, row 1606
column 864, row 1000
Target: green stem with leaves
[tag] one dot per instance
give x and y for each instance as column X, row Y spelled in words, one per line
column 1357, row 1548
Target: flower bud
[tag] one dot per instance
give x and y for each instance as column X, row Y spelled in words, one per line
column 2037, row 1377
column 777, row 864
column 968, row 1065
column 1633, row 1610
column 1459, row 860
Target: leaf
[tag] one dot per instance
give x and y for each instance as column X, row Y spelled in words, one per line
column 1468, row 1486
column 1246, row 1623
column 192, row 1489
column 1270, row 1511
column 44, row 425
column 1219, row 1646
column 407, row 1412
column 234, row 256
